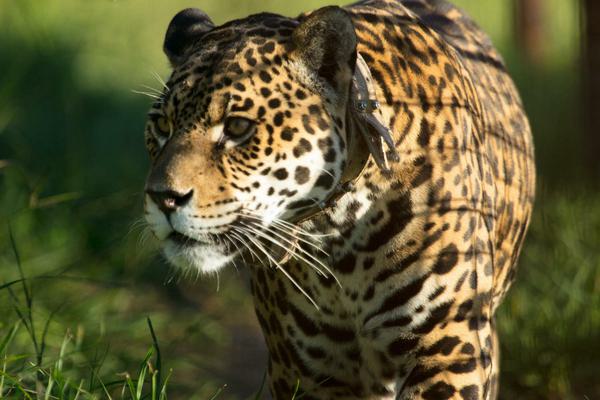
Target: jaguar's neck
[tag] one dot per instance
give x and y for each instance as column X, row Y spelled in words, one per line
column 342, row 292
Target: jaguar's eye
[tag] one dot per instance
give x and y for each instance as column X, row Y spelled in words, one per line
column 163, row 127
column 239, row 127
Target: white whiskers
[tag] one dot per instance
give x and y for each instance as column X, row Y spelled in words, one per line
column 148, row 94
column 280, row 268
column 160, row 80
column 297, row 251
column 289, row 225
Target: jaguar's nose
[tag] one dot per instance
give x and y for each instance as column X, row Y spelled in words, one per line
column 168, row 200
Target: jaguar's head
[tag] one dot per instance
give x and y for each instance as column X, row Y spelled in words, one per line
column 249, row 132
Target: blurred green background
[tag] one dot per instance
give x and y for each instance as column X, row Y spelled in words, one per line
column 72, row 166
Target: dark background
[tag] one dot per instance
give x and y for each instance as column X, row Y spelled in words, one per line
column 72, row 165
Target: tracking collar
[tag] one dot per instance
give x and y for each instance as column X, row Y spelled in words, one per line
column 364, row 125
column 365, row 130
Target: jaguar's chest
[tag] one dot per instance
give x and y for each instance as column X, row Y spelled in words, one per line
column 342, row 343
column 342, row 340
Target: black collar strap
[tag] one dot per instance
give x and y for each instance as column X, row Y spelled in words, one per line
column 365, row 129
column 364, row 126
column 368, row 118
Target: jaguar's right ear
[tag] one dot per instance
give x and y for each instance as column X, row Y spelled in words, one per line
column 186, row 27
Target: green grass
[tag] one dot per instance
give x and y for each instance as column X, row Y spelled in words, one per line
column 35, row 375
column 75, row 264
column 550, row 323
column 35, row 364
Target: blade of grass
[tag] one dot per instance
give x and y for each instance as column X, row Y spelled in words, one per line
column 9, row 284
column 157, row 349
column 49, row 387
column 29, row 303
column 123, row 388
column 163, row 390
column 61, row 353
column 19, row 267
column 142, row 375
column 103, row 387
column 218, row 392
column 15, row 304
column 64, row 387
column 9, row 337
column 95, row 366
column 54, row 200
column 79, row 390
column 140, row 383
column 26, row 289
column 17, row 385
column 296, row 389
column 130, row 385
column 259, row 393
column 2, row 377
column 153, row 394
column 45, row 333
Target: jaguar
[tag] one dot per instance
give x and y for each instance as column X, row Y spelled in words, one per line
column 372, row 167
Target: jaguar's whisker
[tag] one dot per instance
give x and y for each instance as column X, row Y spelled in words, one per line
column 300, row 230
column 152, row 90
column 148, row 94
column 240, row 236
column 327, row 172
column 300, row 256
column 144, row 236
column 256, row 243
column 240, row 252
column 311, row 256
column 160, row 80
column 279, row 267
column 300, row 239
column 277, row 243
column 289, row 231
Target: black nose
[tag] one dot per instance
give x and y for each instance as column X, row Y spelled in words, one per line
column 168, row 200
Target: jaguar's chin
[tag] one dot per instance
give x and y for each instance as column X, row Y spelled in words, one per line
column 196, row 256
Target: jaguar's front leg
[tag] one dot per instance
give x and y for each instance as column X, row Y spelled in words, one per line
column 459, row 362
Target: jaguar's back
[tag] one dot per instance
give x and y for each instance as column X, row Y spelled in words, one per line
column 502, row 142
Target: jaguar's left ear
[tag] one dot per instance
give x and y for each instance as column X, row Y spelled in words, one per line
column 185, row 29
column 325, row 41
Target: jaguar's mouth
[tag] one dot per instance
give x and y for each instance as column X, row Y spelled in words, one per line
column 217, row 236
column 184, row 240
column 209, row 251
column 204, row 254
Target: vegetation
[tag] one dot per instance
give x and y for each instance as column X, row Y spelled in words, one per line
column 79, row 282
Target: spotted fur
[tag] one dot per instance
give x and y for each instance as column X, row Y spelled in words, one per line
column 406, row 268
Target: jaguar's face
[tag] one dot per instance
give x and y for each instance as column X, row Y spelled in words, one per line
column 249, row 132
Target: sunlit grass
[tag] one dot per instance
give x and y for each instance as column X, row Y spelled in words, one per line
column 43, row 376
column 550, row 323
